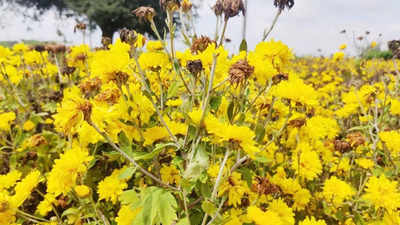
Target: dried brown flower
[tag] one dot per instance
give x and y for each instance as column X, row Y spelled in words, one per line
column 36, row 140
column 282, row 4
column 128, row 36
column 355, row 139
column 90, row 87
column 230, row 8
column 106, row 41
column 56, row 48
column 394, row 47
column 240, row 71
column 186, row 6
column 297, row 122
column 86, row 109
column 68, row 70
column 264, row 186
column 80, row 26
column 111, row 96
column 170, row 5
column 279, row 77
column 194, row 66
column 341, row 146
column 144, row 13
column 39, row 48
column 200, row 44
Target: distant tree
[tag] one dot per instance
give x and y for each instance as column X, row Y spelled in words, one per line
column 109, row 15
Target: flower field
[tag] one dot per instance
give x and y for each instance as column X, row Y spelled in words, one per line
column 139, row 133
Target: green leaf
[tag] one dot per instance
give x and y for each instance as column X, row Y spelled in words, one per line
column 215, row 102
column 260, row 132
column 231, row 107
column 197, row 165
column 158, row 207
column 70, row 211
column 208, row 207
column 128, row 197
column 172, row 90
column 127, row 173
column 184, row 221
column 262, row 159
column 151, row 155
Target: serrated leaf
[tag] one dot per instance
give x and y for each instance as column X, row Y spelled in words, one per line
column 208, row 207
column 158, row 207
column 184, row 221
column 152, row 154
column 127, row 173
column 128, row 197
column 197, row 165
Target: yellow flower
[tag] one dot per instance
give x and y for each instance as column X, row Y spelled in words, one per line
column 126, row 215
column 153, row 46
column 312, row 221
column 279, row 207
column 263, row 218
column 395, row 107
column 338, row 56
column 71, row 164
column 170, row 174
column 336, row 191
column 28, row 125
column 112, row 186
column 24, row 188
column 82, row 191
column 373, row 44
column 391, row 140
column 296, row 90
column 365, row 163
column 307, row 164
column 5, row 120
column 235, row 187
column 10, row 179
column 343, row 47
column 382, row 193
column 301, row 199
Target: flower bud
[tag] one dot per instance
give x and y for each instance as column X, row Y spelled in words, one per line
column 282, row 4
column 82, row 191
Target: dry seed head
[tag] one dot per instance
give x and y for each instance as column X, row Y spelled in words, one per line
column 355, row 139
column 194, row 66
column 200, row 44
column 128, row 36
column 186, row 6
column 144, row 13
column 240, row 71
column 37, row 140
column 106, row 41
column 86, row 109
column 170, row 5
column 394, row 47
column 341, row 146
column 90, row 86
column 68, row 70
column 282, row 4
column 80, row 26
column 110, row 96
column 233, row 8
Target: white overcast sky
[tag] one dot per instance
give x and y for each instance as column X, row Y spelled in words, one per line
column 310, row 25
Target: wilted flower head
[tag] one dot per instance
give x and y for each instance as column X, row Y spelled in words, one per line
column 80, row 26
column 240, row 71
column 144, row 12
column 200, row 44
column 170, row 5
column 128, row 36
column 282, row 4
column 186, row 6
column 106, row 41
column 230, row 8
column 194, row 66
column 394, row 47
